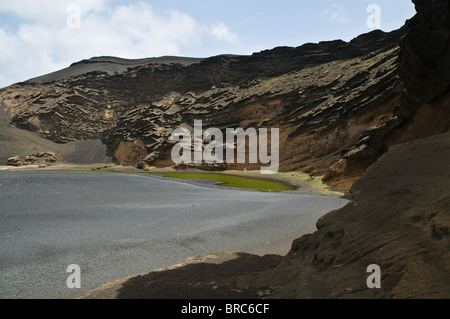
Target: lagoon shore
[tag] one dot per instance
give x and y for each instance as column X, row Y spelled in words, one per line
column 297, row 179
column 120, row 225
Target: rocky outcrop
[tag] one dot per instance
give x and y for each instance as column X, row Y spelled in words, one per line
column 424, row 63
column 392, row 221
column 424, row 67
column 34, row 159
column 14, row 161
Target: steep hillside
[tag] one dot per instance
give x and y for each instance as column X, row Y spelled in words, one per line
column 327, row 99
column 19, row 142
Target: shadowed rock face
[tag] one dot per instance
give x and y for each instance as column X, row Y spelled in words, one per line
column 424, row 57
column 323, row 97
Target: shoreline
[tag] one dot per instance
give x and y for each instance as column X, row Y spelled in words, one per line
column 299, row 180
column 278, row 243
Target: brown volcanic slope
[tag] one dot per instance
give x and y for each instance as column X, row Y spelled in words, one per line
column 338, row 105
column 326, row 98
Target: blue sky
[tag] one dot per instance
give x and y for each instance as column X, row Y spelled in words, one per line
column 41, row 36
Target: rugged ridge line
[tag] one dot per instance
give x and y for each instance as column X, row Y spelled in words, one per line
column 326, row 98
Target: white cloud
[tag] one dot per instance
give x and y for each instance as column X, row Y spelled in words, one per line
column 45, row 42
column 221, row 32
column 336, row 14
column 49, row 12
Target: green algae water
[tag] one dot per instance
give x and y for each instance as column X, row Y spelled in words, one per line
column 261, row 185
column 225, row 180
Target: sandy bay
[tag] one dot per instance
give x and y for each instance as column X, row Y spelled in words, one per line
column 119, row 225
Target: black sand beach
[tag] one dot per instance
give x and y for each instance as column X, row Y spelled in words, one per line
column 119, row 225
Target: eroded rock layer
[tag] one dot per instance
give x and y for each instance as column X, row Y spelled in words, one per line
column 325, row 98
column 339, row 105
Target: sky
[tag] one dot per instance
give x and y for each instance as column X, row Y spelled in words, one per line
column 41, row 36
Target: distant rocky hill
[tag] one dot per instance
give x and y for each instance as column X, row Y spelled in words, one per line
column 331, row 101
column 338, row 105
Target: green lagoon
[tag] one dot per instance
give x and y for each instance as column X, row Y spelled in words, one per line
column 225, row 180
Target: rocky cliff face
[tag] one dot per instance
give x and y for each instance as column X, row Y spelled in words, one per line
column 423, row 108
column 424, row 63
column 325, row 98
column 338, row 105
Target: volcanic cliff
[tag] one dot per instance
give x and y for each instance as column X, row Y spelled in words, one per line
column 335, row 104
